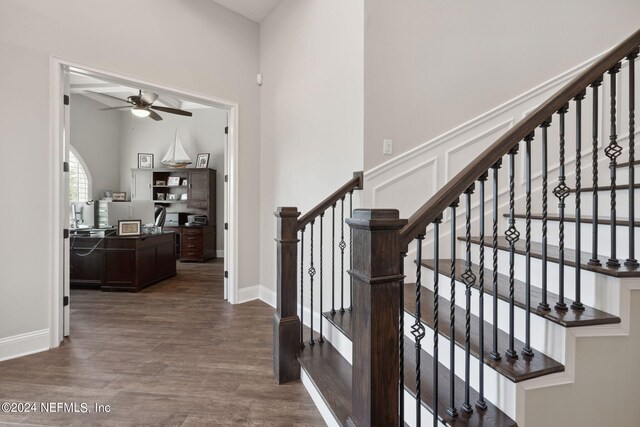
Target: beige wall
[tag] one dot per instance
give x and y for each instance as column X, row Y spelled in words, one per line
column 433, row 65
column 196, row 45
column 311, row 108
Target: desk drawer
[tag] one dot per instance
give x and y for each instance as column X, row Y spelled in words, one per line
column 191, row 246
column 190, row 239
column 191, row 255
column 192, row 231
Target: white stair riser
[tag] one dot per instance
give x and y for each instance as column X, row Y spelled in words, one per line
column 604, row 205
column 498, row 390
column 548, row 337
column 410, row 412
column 598, row 290
column 604, row 236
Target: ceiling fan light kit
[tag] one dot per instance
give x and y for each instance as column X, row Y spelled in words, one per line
column 141, row 105
column 140, row 111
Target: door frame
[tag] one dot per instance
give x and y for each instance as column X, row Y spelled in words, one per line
column 59, row 67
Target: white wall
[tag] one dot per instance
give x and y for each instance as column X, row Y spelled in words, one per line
column 195, row 45
column 311, row 108
column 96, row 136
column 431, row 66
column 202, row 133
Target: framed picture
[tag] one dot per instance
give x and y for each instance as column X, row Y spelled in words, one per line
column 185, row 182
column 160, row 196
column 183, row 196
column 172, row 197
column 202, row 161
column 119, row 196
column 145, row 161
column 161, row 183
column 129, row 228
column 173, row 180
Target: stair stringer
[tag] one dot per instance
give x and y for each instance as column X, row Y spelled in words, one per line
column 562, row 399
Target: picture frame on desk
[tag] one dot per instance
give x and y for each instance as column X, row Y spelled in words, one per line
column 129, row 227
column 145, row 161
column 119, row 196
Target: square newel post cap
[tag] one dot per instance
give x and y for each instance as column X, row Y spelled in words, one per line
column 286, row 212
column 376, row 219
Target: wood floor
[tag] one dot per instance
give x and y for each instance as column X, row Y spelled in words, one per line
column 175, row 354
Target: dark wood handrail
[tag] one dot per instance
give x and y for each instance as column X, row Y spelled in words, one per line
column 428, row 212
column 355, row 183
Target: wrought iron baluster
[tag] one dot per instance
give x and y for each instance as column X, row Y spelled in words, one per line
column 469, row 279
column 631, row 260
column 436, row 296
column 302, row 287
column 561, row 191
column 527, row 351
column 481, row 404
column 312, row 273
column 544, row 304
column 594, row 171
column 401, row 342
column 343, row 245
column 350, row 251
column 495, row 354
column 321, row 338
column 577, row 303
column 417, row 330
column 333, row 260
column 612, row 151
column 512, row 235
column 451, row 410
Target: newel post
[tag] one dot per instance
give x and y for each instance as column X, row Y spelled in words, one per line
column 286, row 323
column 376, row 278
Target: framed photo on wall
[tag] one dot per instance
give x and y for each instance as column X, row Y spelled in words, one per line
column 129, row 228
column 202, row 161
column 145, row 161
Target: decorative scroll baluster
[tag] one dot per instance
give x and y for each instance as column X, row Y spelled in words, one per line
column 469, row 279
column 544, row 305
column 632, row 261
column 312, row 273
column 561, row 191
column 321, row 339
column 512, row 235
column 436, row 295
column 481, row 404
column 343, row 245
column 594, row 166
column 526, row 351
column 612, row 151
column 451, row 410
column 350, row 251
column 495, row 355
column 302, row 288
column 333, row 260
column 417, row 330
column 577, row 303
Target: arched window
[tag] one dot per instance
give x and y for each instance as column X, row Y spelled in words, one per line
column 79, row 178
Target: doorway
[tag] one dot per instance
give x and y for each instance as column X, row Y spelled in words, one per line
column 59, row 294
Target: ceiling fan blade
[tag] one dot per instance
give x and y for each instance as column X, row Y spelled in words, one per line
column 108, row 96
column 115, row 108
column 149, row 97
column 155, row 116
column 172, row 110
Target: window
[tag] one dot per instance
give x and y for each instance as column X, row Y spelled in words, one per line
column 79, row 178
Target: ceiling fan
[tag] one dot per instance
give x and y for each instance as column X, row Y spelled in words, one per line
column 141, row 105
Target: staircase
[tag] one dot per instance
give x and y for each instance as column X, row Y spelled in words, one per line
column 477, row 309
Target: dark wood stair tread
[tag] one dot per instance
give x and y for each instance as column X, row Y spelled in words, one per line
column 606, row 188
column 571, row 218
column 517, row 370
column 570, row 318
column 569, row 257
column 331, row 374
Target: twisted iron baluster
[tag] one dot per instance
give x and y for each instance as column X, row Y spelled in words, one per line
column 481, row 404
column 302, row 287
column 495, row 355
column 436, row 296
column 469, row 279
column 577, row 303
column 544, row 305
column 561, row 191
column 312, row 273
column 451, row 410
column 417, row 330
column 527, row 351
column 350, row 251
column 343, row 245
column 632, row 261
column 612, row 151
column 321, row 338
column 333, row 260
column 594, row 166
column 512, row 235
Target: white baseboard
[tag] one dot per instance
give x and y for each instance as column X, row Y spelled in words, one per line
column 24, row 344
column 260, row 292
column 220, row 253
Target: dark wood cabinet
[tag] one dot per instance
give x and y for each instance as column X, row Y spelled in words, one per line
column 201, row 193
column 197, row 244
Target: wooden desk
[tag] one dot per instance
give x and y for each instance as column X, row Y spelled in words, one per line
column 122, row 263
